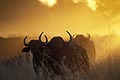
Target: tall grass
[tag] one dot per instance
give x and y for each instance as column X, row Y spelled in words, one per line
column 105, row 67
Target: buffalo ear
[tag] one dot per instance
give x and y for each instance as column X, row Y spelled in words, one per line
column 26, row 49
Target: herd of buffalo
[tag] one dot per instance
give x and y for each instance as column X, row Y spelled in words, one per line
column 75, row 54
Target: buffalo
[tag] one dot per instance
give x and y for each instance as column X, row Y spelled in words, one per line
column 37, row 48
column 87, row 44
column 57, row 54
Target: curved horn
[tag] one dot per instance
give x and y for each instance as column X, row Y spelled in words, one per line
column 45, row 37
column 74, row 35
column 70, row 36
column 88, row 35
column 25, row 44
column 40, row 36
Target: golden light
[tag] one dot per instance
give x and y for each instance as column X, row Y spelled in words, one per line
column 92, row 4
column 76, row 1
column 48, row 3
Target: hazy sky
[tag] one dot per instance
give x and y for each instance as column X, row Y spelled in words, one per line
column 30, row 17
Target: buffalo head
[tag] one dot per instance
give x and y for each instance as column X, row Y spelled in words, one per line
column 34, row 45
column 58, row 41
column 82, row 37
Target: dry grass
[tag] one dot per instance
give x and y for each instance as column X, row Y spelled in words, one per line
column 105, row 67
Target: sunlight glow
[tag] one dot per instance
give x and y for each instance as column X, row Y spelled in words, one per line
column 92, row 4
column 49, row 3
column 76, row 1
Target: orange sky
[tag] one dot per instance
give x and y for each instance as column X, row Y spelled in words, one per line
column 30, row 17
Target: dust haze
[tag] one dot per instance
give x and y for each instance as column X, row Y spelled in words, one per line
column 30, row 17
column 98, row 18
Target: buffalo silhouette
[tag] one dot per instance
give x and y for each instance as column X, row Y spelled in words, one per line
column 56, row 54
